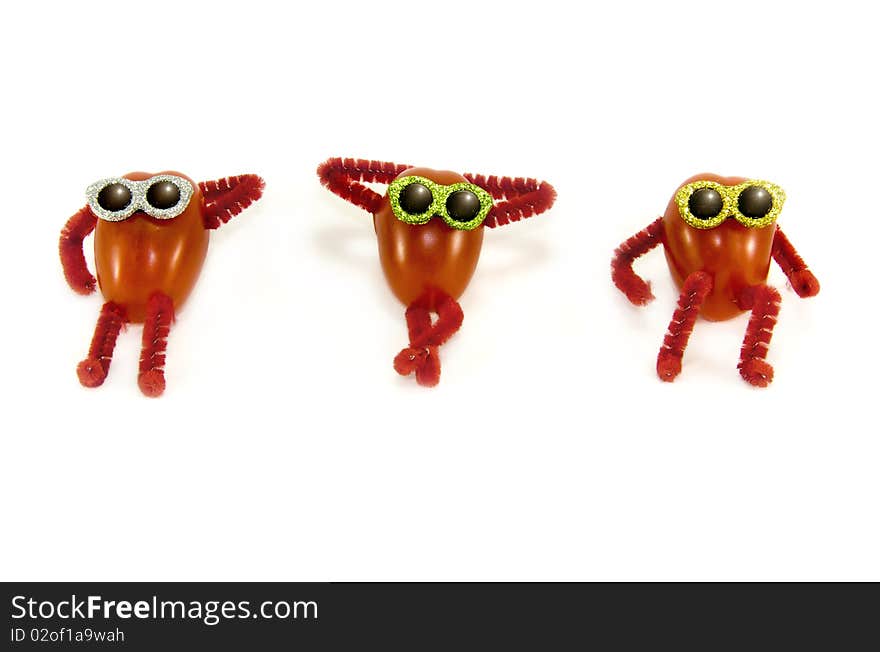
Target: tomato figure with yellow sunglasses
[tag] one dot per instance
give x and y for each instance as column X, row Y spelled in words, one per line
column 719, row 235
column 429, row 226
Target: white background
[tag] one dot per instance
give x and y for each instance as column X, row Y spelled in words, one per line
column 286, row 447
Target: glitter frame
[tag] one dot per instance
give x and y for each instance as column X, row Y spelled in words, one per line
column 138, row 190
column 440, row 194
column 729, row 195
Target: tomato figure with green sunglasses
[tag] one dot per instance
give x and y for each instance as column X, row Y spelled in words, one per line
column 429, row 232
column 719, row 235
column 429, row 226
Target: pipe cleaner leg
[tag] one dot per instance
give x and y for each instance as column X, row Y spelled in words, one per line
column 425, row 337
column 764, row 302
column 93, row 370
column 694, row 291
column 157, row 325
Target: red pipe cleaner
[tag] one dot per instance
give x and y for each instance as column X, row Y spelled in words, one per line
column 524, row 197
column 346, row 178
column 93, row 370
column 157, row 325
column 802, row 280
column 226, row 198
column 70, row 249
column 627, row 281
column 421, row 356
column 765, row 308
column 694, row 291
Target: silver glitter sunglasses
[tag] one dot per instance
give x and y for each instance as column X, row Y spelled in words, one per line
column 164, row 197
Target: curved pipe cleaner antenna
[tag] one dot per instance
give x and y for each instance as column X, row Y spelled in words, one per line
column 346, row 178
column 521, row 197
column 518, row 197
column 226, row 198
column 802, row 280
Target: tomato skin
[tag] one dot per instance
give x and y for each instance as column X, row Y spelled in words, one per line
column 737, row 257
column 416, row 257
column 141, row 255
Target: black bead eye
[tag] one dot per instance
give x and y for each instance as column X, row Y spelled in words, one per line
column 163, row 194
column 755, row 202
column 463, row 205
column 705, row 203
column 114, row 197
column 416, row 198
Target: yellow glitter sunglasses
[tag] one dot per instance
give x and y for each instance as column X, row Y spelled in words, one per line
column 415, row 200
column 706, row 204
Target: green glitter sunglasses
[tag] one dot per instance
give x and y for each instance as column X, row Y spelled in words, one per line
column 415, row 200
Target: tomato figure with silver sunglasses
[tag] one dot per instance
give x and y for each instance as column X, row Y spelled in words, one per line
column 151, row 239
column 719, row 235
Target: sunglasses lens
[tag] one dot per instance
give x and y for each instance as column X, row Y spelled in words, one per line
column 463, row 205
column 755, row 202
column 705, row 203
column 163, row 194
column 114, row 197
column 416, row 198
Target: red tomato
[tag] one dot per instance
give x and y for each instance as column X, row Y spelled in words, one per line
column 142, row 255
column 737, row 257
column 416, row 257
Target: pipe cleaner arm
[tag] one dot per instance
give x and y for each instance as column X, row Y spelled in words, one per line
column 793, row 266
column 346, row 178
column 518, row 197
column 627, row 281
column 223, row 199
column 70, row 249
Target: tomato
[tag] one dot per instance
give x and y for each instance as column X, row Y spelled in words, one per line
column 735, row 256
column 141, row 255
column 419, row 257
